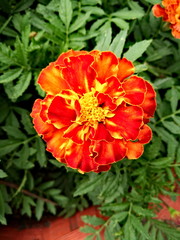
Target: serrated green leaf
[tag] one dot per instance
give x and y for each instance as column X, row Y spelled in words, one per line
column 79, row 22
column 153, row 1
column 87, row 229
column 115, row 207
column 2, row 174
column 87, row 186
column 51, row 208
column 21, row 53
column 161, row 162
column 137, row 50
column 22, row 84
column 139, row 226
column 39, row 209
column 10, row 75
column 65, row 12
column 172, row 127
column 142, row 211
column 129, row 232
column 120, row 23
column 118, row 42
column 120, row 216
column 127, row 14
column 41, row 152
column 46, row 185
column 14, row 132
column 108, row 234
column 104, row 41
column 93, row 220
column 3, row 220
column 7, row 145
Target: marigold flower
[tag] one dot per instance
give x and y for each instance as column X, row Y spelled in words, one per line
column 95, row 111
column 170, row 13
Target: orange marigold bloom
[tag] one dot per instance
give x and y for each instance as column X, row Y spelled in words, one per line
column 95, row 110
column 170, row 13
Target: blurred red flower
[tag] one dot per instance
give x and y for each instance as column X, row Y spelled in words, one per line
column 95, row 111
column 170, row 13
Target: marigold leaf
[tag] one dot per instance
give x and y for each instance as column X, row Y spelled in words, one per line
column 2, row 174
column 120, row 216
column 87, row 229
column 39, row 209
column 14, row 132
column 136, row 50
column 104, row 40
column 139, row 226
column 16, row 91
column 41, row 152
column 7, row 145
column 65, row 12
column 93, row 220
column 79, row 22
column 10, row 75
column 118, row 42
column 87, row 186
column 120, row 23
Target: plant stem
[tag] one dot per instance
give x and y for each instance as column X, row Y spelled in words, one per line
column 15, row 186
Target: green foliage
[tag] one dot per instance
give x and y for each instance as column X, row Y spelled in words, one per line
column 34, row 33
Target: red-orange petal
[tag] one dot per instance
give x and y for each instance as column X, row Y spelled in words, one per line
column 40, row 126
column 135, row 89
column 56, row 144
column 101, row 133
column 113, row 88
column 125, row 69
column 76, row 132
column 176, row 30
column 103, row 168
column 145, row 134
column 79, row 74
column 70, row 53
column 105, row 65
column 60, row 113
column 79, row 157
column 126, row 122
column 158, row 11
column 51, row 80
column 149, row 103
column 109, row 152
column 134, row 150
column 45, row 106
column 105, row 101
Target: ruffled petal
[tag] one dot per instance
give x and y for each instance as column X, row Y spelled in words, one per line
column 40, row 126
column 149, row 103
column 145, row 134
column 79, row 157
column 51, row 80
column 101, row 133
column 125, row 69
column 60, row 113
column 103, row 168
column 70, row 53
column 134, row 150
column 105, row 101
column 176, row 30
column 79, row 73
column 158, row 11
column 56, row 144
column 113, row 87
column 109, row 152
column 126, row 122
column 76, row 133
column 135, row 89
column 105, row 64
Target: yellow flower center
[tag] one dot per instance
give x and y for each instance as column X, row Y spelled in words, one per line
column 90, row 110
